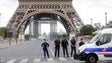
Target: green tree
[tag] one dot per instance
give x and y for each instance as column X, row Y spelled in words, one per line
column 87, row 30
column 58, row 36
column 65, row 36
column 109, row 25
column 27, row 36
column 62, row 36
column 3, row 31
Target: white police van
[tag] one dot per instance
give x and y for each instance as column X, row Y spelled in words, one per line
column 99, row 48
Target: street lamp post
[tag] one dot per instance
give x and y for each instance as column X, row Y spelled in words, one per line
column 105, row 19
column 91, row 21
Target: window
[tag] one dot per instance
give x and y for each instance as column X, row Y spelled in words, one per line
column 106, row 38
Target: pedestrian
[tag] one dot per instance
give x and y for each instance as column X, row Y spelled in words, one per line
column 65, row 44
column 45, row 46
column 57, row 47
column 73, row 46
column 81, row 42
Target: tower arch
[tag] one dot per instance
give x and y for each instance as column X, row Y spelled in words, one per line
column 63, row 17
column 62, row 8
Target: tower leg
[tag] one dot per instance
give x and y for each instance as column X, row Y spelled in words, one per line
column 39, row 28
column 53, row 29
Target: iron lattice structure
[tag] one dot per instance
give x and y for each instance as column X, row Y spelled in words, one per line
column 60, row 9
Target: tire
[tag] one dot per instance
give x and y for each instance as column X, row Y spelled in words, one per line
column 91, row 59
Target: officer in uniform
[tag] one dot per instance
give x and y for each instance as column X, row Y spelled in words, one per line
column 81, row 42
column 73, row 46
column 45, row 46
column 65, row 44
column 57, row 47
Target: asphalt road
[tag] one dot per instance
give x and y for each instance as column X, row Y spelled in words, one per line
column 31, row 52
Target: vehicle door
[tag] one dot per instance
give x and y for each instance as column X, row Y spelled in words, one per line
column 104, row 47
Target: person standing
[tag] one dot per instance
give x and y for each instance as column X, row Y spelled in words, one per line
column 57, row 47
column 65, row 44
column 45, row 46
column 81, row 42
column 73, row 46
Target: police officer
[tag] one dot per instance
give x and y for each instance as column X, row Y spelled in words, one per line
column 65, row 44
column 81, row 42
column 57, row 47
column 73, row 46
column 45, row 46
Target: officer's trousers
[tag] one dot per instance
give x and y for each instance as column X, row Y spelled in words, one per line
column 65, row 50
column 45, row 50
column 73, row 49
column 57, row 51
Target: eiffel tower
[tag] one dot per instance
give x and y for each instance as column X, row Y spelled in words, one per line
column 62, row 10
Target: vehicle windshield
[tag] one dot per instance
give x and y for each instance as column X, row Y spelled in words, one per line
column 95, row 38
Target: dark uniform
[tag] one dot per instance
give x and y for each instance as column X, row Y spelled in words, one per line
column 45, row 45
column 73, row 46
column 82, row 42
column 65, row 44
column 57, row 47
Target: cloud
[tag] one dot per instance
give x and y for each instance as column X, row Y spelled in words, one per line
column 7, row 9
column 95, row 9
column 102, row 3
column 86, row 9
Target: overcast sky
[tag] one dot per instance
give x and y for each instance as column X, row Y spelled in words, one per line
column 94, row 9
column 86, row 9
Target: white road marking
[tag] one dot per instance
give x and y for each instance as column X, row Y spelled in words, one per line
column 62, row 59
column 50, row 59
column 12, row 61
column 72, row 58
column 51, row 51
column 24, row 61
column 36, row 60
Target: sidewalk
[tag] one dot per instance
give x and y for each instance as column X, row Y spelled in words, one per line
column 5, row 43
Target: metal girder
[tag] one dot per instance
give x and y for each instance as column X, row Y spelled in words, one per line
column 63, row 8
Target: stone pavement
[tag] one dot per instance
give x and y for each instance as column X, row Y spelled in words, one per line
column 5, row 43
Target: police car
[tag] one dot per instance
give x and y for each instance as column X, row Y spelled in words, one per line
column 99, row 48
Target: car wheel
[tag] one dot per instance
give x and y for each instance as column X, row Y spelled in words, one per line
column 91, row 59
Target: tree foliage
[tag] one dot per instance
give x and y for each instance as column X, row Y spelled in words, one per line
column 109, row 25
column 62, row 36
column 87, row 30
column 27, row 36
column 3, row 31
